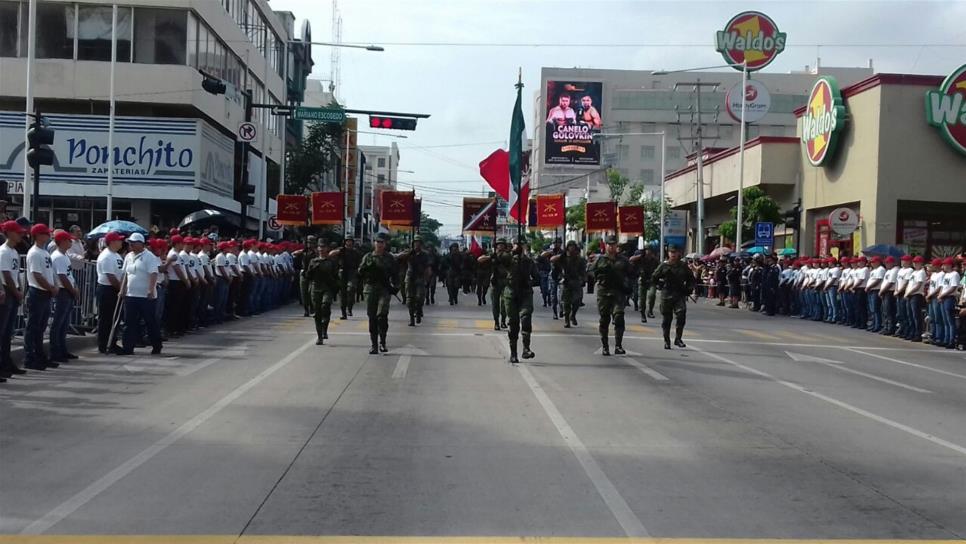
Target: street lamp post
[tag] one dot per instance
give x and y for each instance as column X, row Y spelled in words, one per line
column 741, row 144
column 662, row 134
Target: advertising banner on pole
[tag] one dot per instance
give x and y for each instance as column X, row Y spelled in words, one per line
column 676, row 228
column 292, row 210
column 397, row 207
column 631, row 219
column 573, row 118
column 551, row 211
column 327, row 208
column 601, row 216
column 479, row 216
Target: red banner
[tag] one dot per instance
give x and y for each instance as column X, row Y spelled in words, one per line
column 601, row 216
column 479, row 216
column 551, row 211
column 397, row 208
column 327, row 208
column 292, row 209
column 631, row 219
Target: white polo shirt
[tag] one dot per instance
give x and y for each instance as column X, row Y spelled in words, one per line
column 245, row 261
column 205, row 261
column 860, row 275
column 189, row 262
column 10, row 262
column 172, row 275
column 232, row 267
column 902, row 279
column 138, row 269
column 935, row 282
column 108, row 262
column 61, row 263
column 38, row 260
column 917, row 282
column 889, row 280
column 950, row 282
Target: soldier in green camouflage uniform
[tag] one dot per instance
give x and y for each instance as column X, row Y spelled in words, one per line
column 676, row 282
column 323, row 273
column 418, row 270
column 349, row 264
column 572, row 269
column 520, row 277
column 484, row 275
column 305, row 257
column 498, row 273
column 610, row 272
column 379, row 274
column 648, row 264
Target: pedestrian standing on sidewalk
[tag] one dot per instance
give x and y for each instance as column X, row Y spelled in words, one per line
column 109, row 264
column 610, row 271
column 139, row 295
column 947, row 302
column 40, row 279
column 872, row 293
column 887, row 294
column 915, row 294
column 67, row 295
column 902, row 303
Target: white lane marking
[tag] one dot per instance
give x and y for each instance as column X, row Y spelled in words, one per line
column 195, row 368
column 838, row 365
column 645, row 369
column 84, row 496
column 854, row 409
column 907, row 363
column 406, row 357
column 605, row 488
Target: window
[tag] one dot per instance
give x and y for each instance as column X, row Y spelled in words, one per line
column 57, row 39
column 623, row 151
column 647, row 152
column 192, row 50
column 94, row 33
column 381, row 178
column 8, row 28
column 161, row 36
column 381, row 162
column 673, row 153
column 647, row 177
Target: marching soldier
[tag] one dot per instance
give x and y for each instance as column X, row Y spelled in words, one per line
column 499, row 282
column 418, row 272
column 678, row 282
column 349, row 262
column 379, row 274
column 554, row 279
column 610, row 271
column 322, row 273
column 521, row 277
column 305, row 257
column 648, row 264
column 434, row 262
column 453, row 272
column 484, row 274
column 573, row 271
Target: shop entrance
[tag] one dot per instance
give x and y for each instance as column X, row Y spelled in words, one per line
column 828, row 243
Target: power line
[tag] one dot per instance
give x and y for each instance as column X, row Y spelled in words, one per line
column 641, row 44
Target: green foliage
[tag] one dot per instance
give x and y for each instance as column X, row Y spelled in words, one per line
column 537, row 240
column 759, row 207
column 428, row 231
column 617, row 184
column 312, row 158
column 652, row 209
column 575, row 217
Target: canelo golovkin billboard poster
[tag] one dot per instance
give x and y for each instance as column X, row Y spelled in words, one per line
column 573, row 117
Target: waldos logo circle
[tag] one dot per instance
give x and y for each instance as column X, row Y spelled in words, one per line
column 750, row 36
column 946, row 109
column 823, row 120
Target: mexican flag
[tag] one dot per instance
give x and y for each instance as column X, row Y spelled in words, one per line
column 519, row 186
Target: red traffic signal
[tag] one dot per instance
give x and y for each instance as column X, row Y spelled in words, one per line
column 393, row 123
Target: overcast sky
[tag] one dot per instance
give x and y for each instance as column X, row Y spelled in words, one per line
column 469, row 90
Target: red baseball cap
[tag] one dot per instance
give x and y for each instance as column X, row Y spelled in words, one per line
column 174, row 231
column 61, row 235
column 906, row 258
column 113, row 237
column 950, row 261
column 918, row 259
column 863, row 260
column 177, row 239
column 877, row 259
column 890, row 260
column 937, row 262
column 12, row 226
column 40, row 229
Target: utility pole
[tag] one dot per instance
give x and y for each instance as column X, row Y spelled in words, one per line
column 698, row 85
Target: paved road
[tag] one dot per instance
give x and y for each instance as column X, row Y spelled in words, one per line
column 762, row 427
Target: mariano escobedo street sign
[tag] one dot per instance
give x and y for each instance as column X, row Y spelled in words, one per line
column 946, row 109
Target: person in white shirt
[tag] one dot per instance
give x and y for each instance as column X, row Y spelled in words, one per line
column 845, row 291
column 249, row 275
column 109, row 264
column 936, row 328
column 859, row 278
column 195, row 275
column 833, row 315
column 821, row 277
column 41, row 288
column 66, row 296
column 11, row 295
column 160, row 249
column 947, row 302
column 222, row 279
column 872, row 291
column 205, row 317
column 887, row 294
column 138, row 290
column 915, row 297
column 234, row 280
column 179, row 286
column 902, row 304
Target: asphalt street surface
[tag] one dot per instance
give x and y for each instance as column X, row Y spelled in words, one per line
column 762, row 427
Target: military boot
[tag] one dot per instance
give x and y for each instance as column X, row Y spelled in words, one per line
column 527, row 353
column 677, row 337
column 667, row 338
column 412, row 319
column 513, row 352
column 618, row 341
column 374, row 340
column 604, row 346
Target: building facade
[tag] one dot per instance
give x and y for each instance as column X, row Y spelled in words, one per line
column 175, row 148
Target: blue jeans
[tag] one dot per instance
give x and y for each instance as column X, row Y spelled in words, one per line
column 221, row 299
column 159, row 306
column 875, row 310
column 8, row 324
column 902, row 314
column 915, row 308
column 137, row 309
column 861, row 309
column 947, row 307
column 832, row 305
column 889, row 312
column 37, row 308
column 63, row 307
column 936, row 328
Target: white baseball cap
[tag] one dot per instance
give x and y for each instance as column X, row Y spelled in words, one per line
column 136, row 237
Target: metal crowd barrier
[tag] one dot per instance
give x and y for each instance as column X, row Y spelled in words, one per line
column 84, row 317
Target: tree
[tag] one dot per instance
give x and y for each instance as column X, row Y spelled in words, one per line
column 759, row 207
column 575, row 215
column 537, row 240
column 312, row 158
column 652, row 209
column 428, row 231
column 617, row 184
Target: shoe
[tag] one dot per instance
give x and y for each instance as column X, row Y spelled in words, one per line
column 350, row 312
column 16, row 371
column 496, row 326
column 412, row 322
column 527, row 354
column 514, row 360
column 679, row 343
column 72, row 356
column 567, row 325
column 5, row 374
column 318, row 341
column 343, row 317
column 35, row 367
column 156, row 351
column 51, row 364
column 643, row 319
column 305, row 313
column 618, row 350
column 573, row 320
column 419, row 319
column 383, row 348
column 325, row 335
column 116, row 351
column 667, row 344
column 373, row 350
column 651, row 314
column 503, row 325
column 605, row 351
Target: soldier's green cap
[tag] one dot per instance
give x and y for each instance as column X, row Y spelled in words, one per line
column 382, row 237
column 571, row 243
column 333, row 245
column 501, row 240
column 612, row 239
column 322, row 243
column 672, row 247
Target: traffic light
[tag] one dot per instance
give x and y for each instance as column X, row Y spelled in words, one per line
column 394, row 123
column 39, row 136
column 792, row 218
column 249, row 194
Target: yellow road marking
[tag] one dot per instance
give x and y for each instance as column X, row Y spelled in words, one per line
column 448, row 324
column 640, row 328
column 483, row 324
column 756, row 334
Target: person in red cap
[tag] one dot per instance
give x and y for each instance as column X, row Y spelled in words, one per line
column 66, row 296
column 902, row 303
column 193, row 294
column 936, row 329
column 845, row 293
column 915, row 298
column 159, row 248
column 12, row 295
column 947, row 302
column 235, row 280
column 109, row 264
column 178, row 286
column 872, row 291
column 222, row 279
column 250, row 273
column 887, row 295
column 41, row 288
column 860, row 278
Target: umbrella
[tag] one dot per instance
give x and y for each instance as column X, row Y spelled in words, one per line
column 757, row 250
column 719, row 252
column 787, row 251
column 692, row 256
column 124, row 227
column 883, row 250
column 203, row 218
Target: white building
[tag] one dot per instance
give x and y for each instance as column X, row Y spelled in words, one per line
column 381, row 172
column 175, row 149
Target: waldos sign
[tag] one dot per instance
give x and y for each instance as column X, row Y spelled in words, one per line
column 946, row 109
column 823, row 120
column 750, row 36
